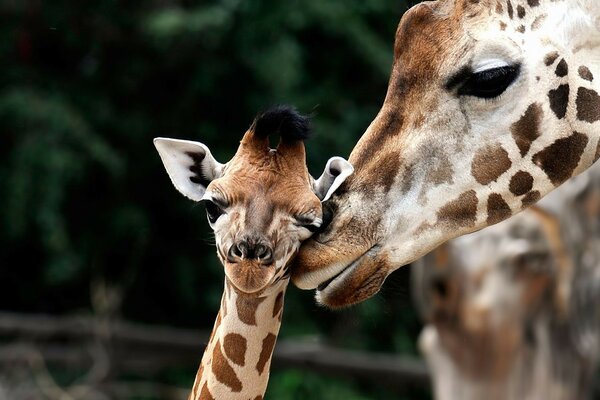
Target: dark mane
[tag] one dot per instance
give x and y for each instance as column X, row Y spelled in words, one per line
column 284, row 121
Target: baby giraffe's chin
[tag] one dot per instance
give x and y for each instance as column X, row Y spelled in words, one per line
column 250, row 276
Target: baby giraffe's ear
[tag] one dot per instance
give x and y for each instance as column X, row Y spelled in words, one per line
column 190, row 165
column 336, row 172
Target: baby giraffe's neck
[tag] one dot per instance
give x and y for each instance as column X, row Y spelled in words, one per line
column 235, row 364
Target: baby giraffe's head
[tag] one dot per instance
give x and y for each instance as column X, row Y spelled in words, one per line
column 261, row 204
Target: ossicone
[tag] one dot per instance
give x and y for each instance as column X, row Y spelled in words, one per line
column 284, row 121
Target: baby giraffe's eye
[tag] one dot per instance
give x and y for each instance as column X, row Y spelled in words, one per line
column 213, row 211
column 310, row 223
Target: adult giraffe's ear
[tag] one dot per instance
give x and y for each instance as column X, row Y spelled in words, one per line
column 336, row 172
column 190, row 165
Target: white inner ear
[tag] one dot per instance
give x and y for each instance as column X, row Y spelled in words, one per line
column 178, row 156
column 336, row 172
column 488, row 64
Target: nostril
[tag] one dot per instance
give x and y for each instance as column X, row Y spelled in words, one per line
column 235, row 252
column 263, row 252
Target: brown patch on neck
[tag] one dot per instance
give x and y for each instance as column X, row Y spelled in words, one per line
column 498, row 210
column 278, row 305
column 531, row 198
column 490, row 163
column 205, row 393
column 246, row 308
column 588, row 105
column 223, row 371
column 235, row 346
column 267, row 351
column 560, row 159
column 461, row 212
column 521, row 183
column 527, row 129
column 585, row 73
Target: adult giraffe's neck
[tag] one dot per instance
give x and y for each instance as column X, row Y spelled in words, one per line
column 236, row 362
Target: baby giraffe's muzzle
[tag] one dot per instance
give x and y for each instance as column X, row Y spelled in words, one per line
column 250, row 249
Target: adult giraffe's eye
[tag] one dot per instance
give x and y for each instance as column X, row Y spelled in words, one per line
column 489, row 83
column 213, row 211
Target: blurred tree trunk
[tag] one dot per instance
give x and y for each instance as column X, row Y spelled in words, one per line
column 513, row 311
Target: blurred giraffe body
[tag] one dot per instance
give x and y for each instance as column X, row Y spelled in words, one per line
column 261, row 205
column 513, row 311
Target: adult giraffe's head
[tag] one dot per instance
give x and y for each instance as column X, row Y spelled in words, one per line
column 263, row 202
column 491, row 104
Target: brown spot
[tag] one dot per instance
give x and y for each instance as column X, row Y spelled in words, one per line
column 385, row 169
column 588, row 105
column 521, row 183
column 490, row 163
column 562, row 68
column 521, row 29
column 502, row 26
column 560, row 159
column 497, row 209
column 499, row 8
column 223, row 371
column 266, row 352
column 531, row 198
column 278, row 304
column 533, row 3
column 509, row 7
column 585, row 73
column 205, row 393
column 550, row 58
column 559, row 99
column 461, row 212
column 235, row 345
column 537, row 22
column 246, row 308
column 441, row 172
column 527, row 129
column 520, row 11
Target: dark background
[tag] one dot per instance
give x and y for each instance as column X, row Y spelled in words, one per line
column 89, row 221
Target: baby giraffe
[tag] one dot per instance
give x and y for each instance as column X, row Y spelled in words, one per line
column 261, row 205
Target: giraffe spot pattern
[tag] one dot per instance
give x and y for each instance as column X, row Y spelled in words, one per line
column 265, row 354
column 559, row 100
column 527, row 128
column 499, row 9
column 538, row 21
column 490, row 163
column 520, row 11
column 246, row 308
column 562, row 68
column 585, row 73
column 235, row 346
column 502, row 26
column 521, row 183
column 461, row 212
column 205, row 393
column 278, row 305
column 588, row 105
column 560, row 159
column 497, row 209
column 550, row 58
column 223, row 371
column 531, row 198
column 533, row 3
column 509, row 8
column 521, row 29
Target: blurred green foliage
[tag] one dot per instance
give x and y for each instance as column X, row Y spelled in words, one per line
column 86, row 85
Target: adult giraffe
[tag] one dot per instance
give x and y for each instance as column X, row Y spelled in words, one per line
column 491, row 104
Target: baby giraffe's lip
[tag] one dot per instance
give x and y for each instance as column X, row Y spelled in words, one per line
column 250, row 276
